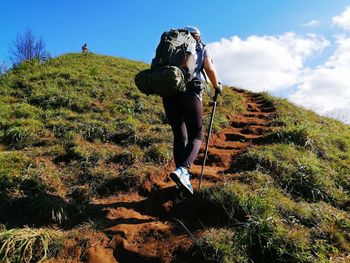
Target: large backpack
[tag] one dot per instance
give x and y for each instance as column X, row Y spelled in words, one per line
column 173, row 66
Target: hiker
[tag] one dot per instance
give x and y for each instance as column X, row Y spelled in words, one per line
column 84, row 48
column 184, row 112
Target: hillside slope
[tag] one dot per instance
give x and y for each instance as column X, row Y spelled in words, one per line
column 84, row 159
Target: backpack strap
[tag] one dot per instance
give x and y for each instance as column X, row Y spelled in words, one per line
column 206, row 81
column 208, row 90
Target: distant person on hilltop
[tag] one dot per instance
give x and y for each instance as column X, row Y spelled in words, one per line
column 184, row 112
column 84, row 48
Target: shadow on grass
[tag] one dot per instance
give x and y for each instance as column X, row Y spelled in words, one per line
column 37, row 210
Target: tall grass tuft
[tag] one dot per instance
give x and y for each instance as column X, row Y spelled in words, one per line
column 28, row 244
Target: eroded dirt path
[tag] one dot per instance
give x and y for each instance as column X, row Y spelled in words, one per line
column 157, row 226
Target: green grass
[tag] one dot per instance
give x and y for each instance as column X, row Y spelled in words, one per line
column 290, row 202
column 268, row 226
column 76, row 128
column 81, row 111
column 12, row 165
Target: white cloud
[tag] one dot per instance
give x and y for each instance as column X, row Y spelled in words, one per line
column 278, row 64
column 326, row 89
column 343, row 20
column 312, row 23
column 264, row 63
column 341, row 114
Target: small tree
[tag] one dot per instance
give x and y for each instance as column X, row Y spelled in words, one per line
column 27, row 47
column 3, row 68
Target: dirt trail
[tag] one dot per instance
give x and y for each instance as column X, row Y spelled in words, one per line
column 152, row 227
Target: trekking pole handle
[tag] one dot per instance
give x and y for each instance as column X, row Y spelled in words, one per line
column 218, row 91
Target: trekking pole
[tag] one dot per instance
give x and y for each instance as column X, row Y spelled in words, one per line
column 208, row 137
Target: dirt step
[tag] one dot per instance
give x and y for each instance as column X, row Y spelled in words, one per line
column 238, row 90
column 233, row 137
column 211, row 175
column 150, row 243
column 268, row 109
column 254, row 96
column 252, row 110
column 252, row 107
column 259, row 100
column 258, row 115
column 265, row 104
column 258, row 130
column 100, row 255
column 253, row 119
column 209, row 179
column 229, row 146
column 266, row 139
column 250, row 139
column 210, row 171
column 125, row 215
column 136, row 231
column 247, row 124
column 217, row 158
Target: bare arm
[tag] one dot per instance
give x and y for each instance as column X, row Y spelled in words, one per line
column 211, row 71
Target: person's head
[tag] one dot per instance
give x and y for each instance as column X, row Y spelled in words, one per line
column 194, row 32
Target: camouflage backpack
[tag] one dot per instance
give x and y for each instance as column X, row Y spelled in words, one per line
column 173, row 66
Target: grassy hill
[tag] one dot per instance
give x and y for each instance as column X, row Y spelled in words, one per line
column 76, row 130
column 290, row 202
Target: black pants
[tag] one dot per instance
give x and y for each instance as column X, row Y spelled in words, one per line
column 184, row 112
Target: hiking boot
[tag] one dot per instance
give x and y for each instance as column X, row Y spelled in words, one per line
column 182, row 179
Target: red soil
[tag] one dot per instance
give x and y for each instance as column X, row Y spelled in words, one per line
column 158, row 225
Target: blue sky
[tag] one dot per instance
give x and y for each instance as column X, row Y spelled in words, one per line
column 131, row 29
column 298, row 49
